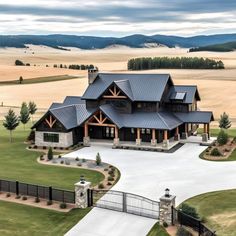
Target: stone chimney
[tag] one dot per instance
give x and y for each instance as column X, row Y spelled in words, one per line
column 92, row 75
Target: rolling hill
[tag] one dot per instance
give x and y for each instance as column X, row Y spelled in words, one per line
column 224, row 47
column 92, row 42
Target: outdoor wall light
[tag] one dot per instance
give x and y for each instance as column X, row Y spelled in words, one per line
column 167, row 192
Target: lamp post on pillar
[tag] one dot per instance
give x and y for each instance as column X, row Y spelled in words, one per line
column 167, row 202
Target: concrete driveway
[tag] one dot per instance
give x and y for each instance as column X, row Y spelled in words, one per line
column 148, row 174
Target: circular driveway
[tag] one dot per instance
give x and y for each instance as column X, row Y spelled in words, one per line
column 149, row 173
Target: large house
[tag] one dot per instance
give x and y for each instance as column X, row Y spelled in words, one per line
column 137, row 108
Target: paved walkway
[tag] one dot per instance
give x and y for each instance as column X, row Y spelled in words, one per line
column 148, row 174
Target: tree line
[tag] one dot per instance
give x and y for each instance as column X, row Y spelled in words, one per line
column 12, row 121
column 147, row 63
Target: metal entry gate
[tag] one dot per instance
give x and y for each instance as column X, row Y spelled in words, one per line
column 124, row 202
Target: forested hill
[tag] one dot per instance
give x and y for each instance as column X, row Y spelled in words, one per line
column 224, row 47
column 91, row 42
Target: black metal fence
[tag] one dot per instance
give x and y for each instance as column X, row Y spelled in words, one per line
column 183, row 219
column 50, row 193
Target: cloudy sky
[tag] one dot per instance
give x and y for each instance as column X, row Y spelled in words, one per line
column 117, row 17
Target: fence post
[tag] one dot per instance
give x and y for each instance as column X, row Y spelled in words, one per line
column 50, row 193
column 81, row 193
column 124, row 202
column 17, row 188
column 167, row 201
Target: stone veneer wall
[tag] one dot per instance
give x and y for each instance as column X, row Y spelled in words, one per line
column 65, row 139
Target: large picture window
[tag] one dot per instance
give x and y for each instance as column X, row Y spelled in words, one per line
column 51, row 137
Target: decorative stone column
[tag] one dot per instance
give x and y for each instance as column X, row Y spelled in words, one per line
column 116, row 140
column 81, row 193
column 167, row 201
column 177, row 136
column 166, row 142
column 204, row 137
column 153, row 140
column 184, row 135
column 86, row 141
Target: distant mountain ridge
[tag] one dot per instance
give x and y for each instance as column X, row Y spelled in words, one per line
column 223, row 47
column 92, row 42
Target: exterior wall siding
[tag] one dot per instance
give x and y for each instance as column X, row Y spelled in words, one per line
column 65, row 139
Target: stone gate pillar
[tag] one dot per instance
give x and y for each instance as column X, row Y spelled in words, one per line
column 81, row 193
column 166, row 203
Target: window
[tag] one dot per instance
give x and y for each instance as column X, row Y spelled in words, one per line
column 148, row 131
column 143, row 131
column 51, row 137
column 132, row 130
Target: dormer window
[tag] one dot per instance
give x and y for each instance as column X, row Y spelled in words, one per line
column 178, row 96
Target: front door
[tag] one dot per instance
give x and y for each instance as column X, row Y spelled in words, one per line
column 108, row 132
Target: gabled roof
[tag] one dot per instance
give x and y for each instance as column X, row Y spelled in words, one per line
column 144, row 87
column 189, row 90
column 148, row 120
column 124, row 86
column 72, row 100
column 197, row 117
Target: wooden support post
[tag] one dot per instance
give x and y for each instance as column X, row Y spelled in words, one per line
column 205, row 128
column 186, row 128
column 138, row 133
column 208, row 130
column 116, row 133
column 86, row 130
column 177, row 131
column 153, row 134
column 165, row 135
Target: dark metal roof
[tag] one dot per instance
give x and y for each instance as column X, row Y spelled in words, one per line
column 189, row 90
column 72, row 100
column 125, row 87
column 195, row 117
column 55, row 105
column 144, row 87
column 157, row 120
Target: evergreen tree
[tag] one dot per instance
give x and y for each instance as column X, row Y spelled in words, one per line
column 24, row 114
column 32, row 108
column 224, row 122
column 222, row 137
column 21, row 80
column 98, row 159
column 50, row 154
column 11, row 122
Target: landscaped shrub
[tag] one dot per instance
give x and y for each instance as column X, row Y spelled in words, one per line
column 55, row 148
column 79, row 164
column 44, row 147
column 59, row 156
column 29, row 147
column 17, row 197
column 98, row 159
column 63, row 205
column 105, row 169
column 24, row 198
column 49, row 202
column 189, row 210
column 101, row 186
column 110, row 172
column 222, row 137
column 110, row 178
column 50, row 154
column 77, row 158
column 165, row 224
column 83, row 160
column 35, row 146
column 8, row 195
column 113, row 168
column 215, row 152
column 37, row 200
column 62, row 162
column 109, row 183
column 183, row 232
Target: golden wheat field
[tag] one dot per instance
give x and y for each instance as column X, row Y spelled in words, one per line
column 217, row 87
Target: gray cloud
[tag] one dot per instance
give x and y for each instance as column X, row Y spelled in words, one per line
column 115, row 13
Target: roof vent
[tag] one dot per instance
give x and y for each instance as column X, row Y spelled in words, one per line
column 92, row 75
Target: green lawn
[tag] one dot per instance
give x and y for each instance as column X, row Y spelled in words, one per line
column 157, row 230
column 17, row 163
column 214, row 132
column 40, row 79
column 232, row 157
column 219, row 208
column 21, row 220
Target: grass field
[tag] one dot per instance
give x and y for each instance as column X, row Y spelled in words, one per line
column 39, row 80
column 21, row 220
column 215, row 131
column 219, row 209
column 157, row 230
column 17, row 163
